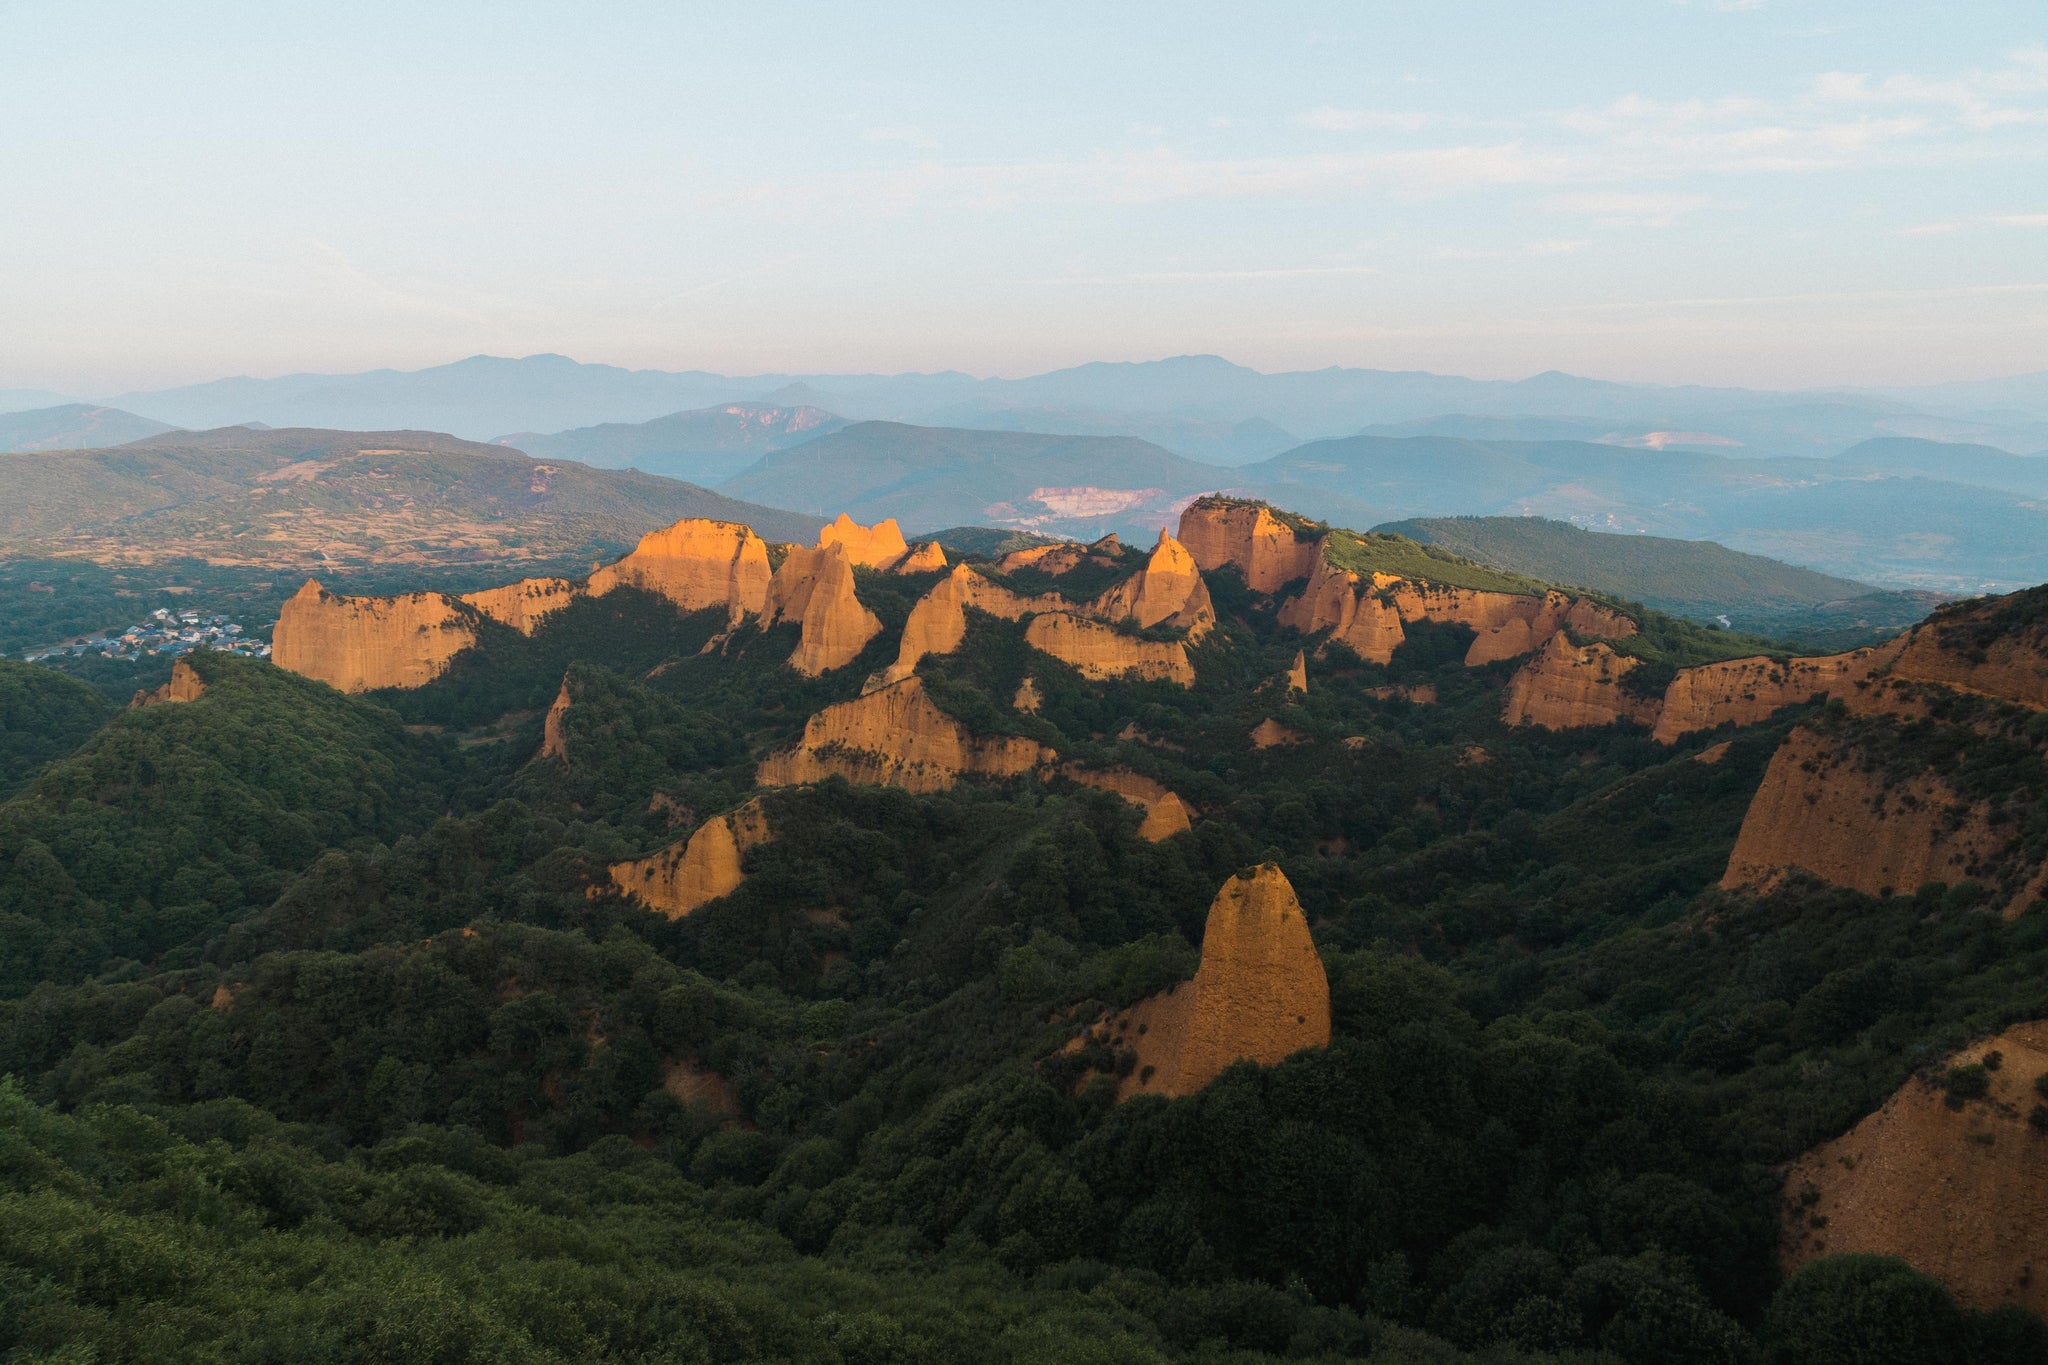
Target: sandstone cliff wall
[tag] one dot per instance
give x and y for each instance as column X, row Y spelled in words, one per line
column 696, row 564
column 1101, row 652
column 2013, row 668
column 816, row 588
column 699, row 869
column 525, row 604
column 1746, row 691
column 1566, row 686
column 1959, row 1194
column 1250, row 539
column 896, row 736
column 359, row 644
column 1165, row 813
column 1260, row 995
column 880, row 546
column 1819, row 811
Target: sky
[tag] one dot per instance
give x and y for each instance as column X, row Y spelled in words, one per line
column 1778, row 193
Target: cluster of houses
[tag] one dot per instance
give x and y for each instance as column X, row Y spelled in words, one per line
column 166, row 632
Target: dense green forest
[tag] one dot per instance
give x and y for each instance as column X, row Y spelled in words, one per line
column 328, row 1041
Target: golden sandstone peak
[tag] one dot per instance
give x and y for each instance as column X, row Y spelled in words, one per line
column 697, row 870
column 185, row 685
column 1248, row 537
column 897, row 736
column 816, row 588
column 1103, row 652
column 1165, row 813
column 1168, row 590
column 554, row 741
column 929, row 557
column 875, row 547
column 1260, row 994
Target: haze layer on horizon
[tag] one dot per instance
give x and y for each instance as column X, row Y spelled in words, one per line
column 1754, row 192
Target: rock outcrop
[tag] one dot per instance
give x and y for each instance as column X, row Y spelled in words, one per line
column 1027, row 699
column 185, row 685
column 1054, row 560
column 554, row 741
column 696, row 564
column 930, row 557
column 1819, row 810
column 1297, row 674
column 1567, row 686
column 896, row 736
column 1101, row 652
column 1271, row 734
column 1977, row 647
column 815, row 587
column 880, row 546
column 1165, row 813
column 360, row 644
column 525, row 604
column 697, row 870
column 1957, row 1193
column 1745, row 691
column 1247, row 537
column 1260, row 995
column 1167, row 591
column 938, row 623
column 1357, row 612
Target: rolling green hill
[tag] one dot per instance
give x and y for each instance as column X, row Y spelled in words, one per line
column 305, row 500
column 73, row 426
column 1697, row 579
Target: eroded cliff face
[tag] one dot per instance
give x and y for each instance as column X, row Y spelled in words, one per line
column 699, row 869
column 1249, row 538
column 2012, row 667
column 185, row 685
column 895, row 736
column 696, row 564
column 1566, row 686
column 938, row 623
column 554, row 740
column 880, row 546
column 1054, row 560
column 929, row 557
column 1959, row 1194
column 1101, row 652
column 525, row 604
column 815, row 587
column 359, row 644
column 1819, row 810
column 1356, row 611
column 1746, row 691
column 1260, row 995
column 1165, row 813
column 1168, row 590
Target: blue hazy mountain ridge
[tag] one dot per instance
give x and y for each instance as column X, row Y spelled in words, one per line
column 1904, row 531
column 27, row 400
column 485, row 396
column 932, row 477
column 1218, row 442
column 1985, row 466
column 2014, row 395
column 73, row 426
column 705, row 446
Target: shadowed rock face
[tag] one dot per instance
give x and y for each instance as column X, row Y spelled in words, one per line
column 1260, row 994
column 895, row 736
column 816, row 587
column 554, row 743
column 185, row 685
column 1819, row 811
column 1746, row 691
column 359, row 644
column 1567, row 686
column 938, row 623
column 1249, row 538
column 697, row 870
column 1165, row 813
column 1959, row 1194
column 1169, row 590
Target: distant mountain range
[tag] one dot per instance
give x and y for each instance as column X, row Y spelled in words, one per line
column 73, row 426
column 310, row 500
column 705, row 446
column 1194, row 405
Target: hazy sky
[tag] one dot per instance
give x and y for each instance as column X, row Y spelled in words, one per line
column 1772, row 192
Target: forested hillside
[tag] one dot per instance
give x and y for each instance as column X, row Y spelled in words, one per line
column 337, row 1029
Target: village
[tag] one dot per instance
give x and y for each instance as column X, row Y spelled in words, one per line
column 163, row 632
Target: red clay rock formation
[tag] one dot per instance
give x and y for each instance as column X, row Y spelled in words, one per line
column 185, row 685
column 875, row 547
column 1248, row 537
column 1260, row 994
column 816, row 588
column 1103, row 653
column 1165, row 813
column 1169, row 590
column 525, row 604
column 1959, row 1194
column 697, row 870
column 1819, row 811
column 553, row 742
column 926, row 558
column 1567, row 686
column 696, row 564
column 1746, row 691
column 359, row 644
column 896, row 736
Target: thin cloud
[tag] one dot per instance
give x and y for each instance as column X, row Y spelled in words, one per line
column 1365, row 120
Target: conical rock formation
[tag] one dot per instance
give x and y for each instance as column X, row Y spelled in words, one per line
column 1260, row 995
column 816, row 588
column 697, row 870
column 1168, row 590
column 185, row 685
column 1165, row 813
column 554, row 741
column 929, row 557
